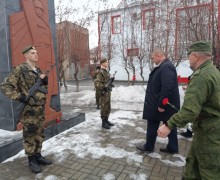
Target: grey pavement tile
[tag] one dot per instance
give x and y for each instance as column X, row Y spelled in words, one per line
column 74, row 168
column 102, row 172
column 96, row 171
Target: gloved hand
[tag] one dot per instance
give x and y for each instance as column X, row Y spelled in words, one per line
column 45, row 80
column 105, row 88
column 30, row 128
column 23, row 98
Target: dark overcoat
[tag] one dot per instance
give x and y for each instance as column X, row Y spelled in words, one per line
column 162, row 84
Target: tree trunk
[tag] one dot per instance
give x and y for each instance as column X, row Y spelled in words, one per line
column 141, row 73
column 128, row 75
column 76, row 77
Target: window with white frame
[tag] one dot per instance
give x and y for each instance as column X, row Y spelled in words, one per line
column 148, row 19
column 133, row 52
column 116, row 24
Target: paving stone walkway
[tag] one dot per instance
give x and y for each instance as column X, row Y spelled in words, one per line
column 105, row 167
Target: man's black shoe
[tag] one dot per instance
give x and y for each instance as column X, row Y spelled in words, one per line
column 109, row 123
column 104, row 124
column 168, row 151
column 97, row 107
column 187, row 134
column 143, row 149
column 33, row 165
column 42, row 160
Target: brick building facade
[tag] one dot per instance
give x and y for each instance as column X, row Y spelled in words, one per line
column 73, row 50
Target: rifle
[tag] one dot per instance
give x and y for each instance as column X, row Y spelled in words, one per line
column 32, row 91
column 108, row 87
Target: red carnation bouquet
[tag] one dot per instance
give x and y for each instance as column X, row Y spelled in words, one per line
column 166, row 101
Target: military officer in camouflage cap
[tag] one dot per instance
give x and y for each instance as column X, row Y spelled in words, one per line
column 16, row 87
column 201, row 107
column 101, row 80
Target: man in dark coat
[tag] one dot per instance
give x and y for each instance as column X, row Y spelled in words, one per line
column 162, row 84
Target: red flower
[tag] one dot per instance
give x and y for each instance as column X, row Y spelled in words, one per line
column 134, row 78
column 165, row 101
column 58, row 120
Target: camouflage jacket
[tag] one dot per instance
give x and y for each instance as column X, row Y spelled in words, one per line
column 102, row 79
column 201, row 105
column 96, row 73
column 19, row 81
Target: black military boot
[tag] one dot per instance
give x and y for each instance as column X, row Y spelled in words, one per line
column 187, row 134
column 104, row 124
column 109, row 123
column 33, row 165
column 41, row 160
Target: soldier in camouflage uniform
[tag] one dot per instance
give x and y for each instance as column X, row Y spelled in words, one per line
column 105, row 93
column 16, row 87
column 201, row 107
column 97, row 93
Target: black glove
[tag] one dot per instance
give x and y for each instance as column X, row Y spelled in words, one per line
column 30, row 128
column 105, row 88
column 23, row 98
column 45, row 80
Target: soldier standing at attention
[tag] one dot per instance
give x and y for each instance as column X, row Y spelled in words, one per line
column 201, row 106
column 105, row 93
column 97, row 93
column 16, row 87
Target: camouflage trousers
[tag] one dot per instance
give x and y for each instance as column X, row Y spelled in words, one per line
column 105, row 103
column 32, row 118
column 97, row 96
column 202, row 165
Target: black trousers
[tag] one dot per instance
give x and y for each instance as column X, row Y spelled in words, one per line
column 151, row 136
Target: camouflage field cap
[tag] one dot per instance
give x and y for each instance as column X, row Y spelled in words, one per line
column 28, row 48
column 200, row 46
column 103, row 60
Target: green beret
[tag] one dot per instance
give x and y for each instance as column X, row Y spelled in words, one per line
column 28, row 48
column 103, row 61
column 200, row 46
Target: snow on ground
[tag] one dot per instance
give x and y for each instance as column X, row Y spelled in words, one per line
column 9, row 135
column 85, row 138
column 183, row 69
